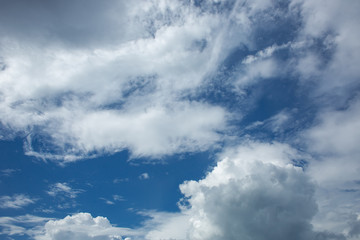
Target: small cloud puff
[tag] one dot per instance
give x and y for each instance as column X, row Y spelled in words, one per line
column 144, row 176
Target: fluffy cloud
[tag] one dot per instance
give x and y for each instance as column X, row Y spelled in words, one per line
column 16, row 201
column 254, row 193
column 82, row 226
column 123, row 88
column 130, row 93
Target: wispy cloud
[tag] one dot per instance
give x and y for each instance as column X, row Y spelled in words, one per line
column 120, row 180
column 8, row 172
column 63, row 189
column 115, row 198
column 22, row 225
column 16, row 201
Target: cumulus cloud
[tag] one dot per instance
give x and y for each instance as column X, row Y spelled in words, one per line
column 16, row 201
column 78, row 226
column 82, row 226
column 253, row 193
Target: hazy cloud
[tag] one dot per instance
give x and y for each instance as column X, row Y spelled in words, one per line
column 16, row 201
column 63, row 189
column 144, row 176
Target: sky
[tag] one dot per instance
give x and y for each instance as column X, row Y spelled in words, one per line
column 180, row 119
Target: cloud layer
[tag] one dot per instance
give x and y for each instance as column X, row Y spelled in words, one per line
column 162, row 77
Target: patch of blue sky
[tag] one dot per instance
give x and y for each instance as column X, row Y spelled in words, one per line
column 99, row 178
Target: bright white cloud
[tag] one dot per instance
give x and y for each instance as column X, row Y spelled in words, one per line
column 82, row 226
column 16, row 201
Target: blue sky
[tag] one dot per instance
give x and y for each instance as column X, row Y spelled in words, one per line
column 178, row 119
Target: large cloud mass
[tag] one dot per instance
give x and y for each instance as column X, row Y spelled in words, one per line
column 255, row 193
column 79, row 100
column 82, row 78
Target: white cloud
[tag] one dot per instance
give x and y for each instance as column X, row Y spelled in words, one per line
column 338, row 33
column 80, row 226
column 115, row 198
column 253, row 193
column 333, row 142
column 118, row 198
column 163, row 225
column 63, row 189
column 144, row 176
column 20, row 225
column 153, row 131
column 108, row 97
column 126, row 89
column 329, row 60
column 16, row 201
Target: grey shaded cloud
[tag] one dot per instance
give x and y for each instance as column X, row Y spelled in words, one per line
column 71, row 23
